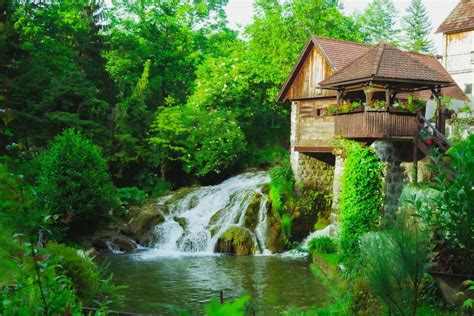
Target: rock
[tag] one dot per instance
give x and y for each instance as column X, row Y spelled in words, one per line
column 251, row 214
column 193, row 202
column 274, row 238
column 237, row 241
column 181, row 221
column 101, row 241
column 143, row 219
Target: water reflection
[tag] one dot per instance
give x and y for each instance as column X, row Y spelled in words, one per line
column 274, row 283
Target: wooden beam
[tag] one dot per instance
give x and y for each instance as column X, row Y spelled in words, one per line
column 320, row 149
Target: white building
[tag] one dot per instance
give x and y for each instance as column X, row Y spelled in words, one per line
column 458, row 46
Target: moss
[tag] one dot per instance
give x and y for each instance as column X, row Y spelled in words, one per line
column 215, row 218
column 251, row 214
column 143, row 219
column 322, row 223
column 275, row 242
column 236, row 240
column 179, row 194
column 181, row 221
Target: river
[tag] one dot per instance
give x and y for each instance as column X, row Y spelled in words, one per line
column 161, row 285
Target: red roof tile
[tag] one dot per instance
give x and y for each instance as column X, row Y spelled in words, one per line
column 341, row 53
column 460, row 19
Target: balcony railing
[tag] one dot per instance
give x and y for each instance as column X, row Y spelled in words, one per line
column 391, row 123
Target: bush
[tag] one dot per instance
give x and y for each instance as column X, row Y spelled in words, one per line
column 454, row 213
column 74, row 185
column 130, row 195
column 361, row 198
column 395, row 261
column 30, row 284
column 286, row 224
column 322, row 244
column 282, row 184
column 92, row 287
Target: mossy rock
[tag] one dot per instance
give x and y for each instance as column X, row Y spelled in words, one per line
column 193, row 202
column 143, row 219
column 215, row 218
column 274, row 238
column 237, row 241
column 181, row 221
column 251, row 214
column 179, row 194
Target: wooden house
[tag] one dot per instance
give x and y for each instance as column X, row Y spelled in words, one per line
column 371, row 94
column 331, row 72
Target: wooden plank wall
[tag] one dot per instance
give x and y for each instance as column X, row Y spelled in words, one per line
column 313, row 130
column 314, row 70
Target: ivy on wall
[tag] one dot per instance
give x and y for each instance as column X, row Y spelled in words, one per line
column 361, row 197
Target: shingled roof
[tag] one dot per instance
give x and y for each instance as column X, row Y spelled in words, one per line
column 384, row 62
column 341, row 53
column 460, row 19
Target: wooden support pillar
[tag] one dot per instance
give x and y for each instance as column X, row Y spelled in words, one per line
column 340, row 94
column 415, row 159
column 441, row 111
column 388, row 96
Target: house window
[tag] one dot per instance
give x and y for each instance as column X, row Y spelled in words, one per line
column 468, row 88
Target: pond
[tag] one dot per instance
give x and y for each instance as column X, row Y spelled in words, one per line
column 160, row 284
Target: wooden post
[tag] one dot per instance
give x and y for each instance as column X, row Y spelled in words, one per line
column 340, row 93
column 388, row 94
column 415, row 159
column 221, row 296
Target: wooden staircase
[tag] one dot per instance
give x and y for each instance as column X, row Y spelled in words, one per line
column 427, row 139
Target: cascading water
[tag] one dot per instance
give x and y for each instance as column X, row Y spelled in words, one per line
column 195, row 222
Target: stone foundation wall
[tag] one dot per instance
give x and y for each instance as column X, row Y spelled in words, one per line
column 395, row 173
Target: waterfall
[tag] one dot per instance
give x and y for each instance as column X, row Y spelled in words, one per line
column 194, row 222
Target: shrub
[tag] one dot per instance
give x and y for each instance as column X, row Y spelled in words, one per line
column 74, row 185
column 91, row 286
column 129, row 195
column 281, row 188
column 361, row 198
column 322, row 244
column 454, row 214
column 30, row 284
column 394, row 262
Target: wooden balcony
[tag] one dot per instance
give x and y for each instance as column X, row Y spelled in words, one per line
column 376, row 124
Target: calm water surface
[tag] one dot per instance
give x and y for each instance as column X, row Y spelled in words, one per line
column 157, row 283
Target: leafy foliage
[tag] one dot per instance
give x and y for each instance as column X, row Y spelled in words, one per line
column 322, row 244
column 203, row 142
column 130, row 195
column 74, row 185
column 235, row 308
column 91, row 286
column 394, row 262
column 34, row 287
column 454, row 215
column 377, row 22
column 361, row 198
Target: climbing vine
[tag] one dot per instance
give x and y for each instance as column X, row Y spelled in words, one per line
column 361, row 196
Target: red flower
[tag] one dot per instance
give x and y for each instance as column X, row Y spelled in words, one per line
column 68, row 217
column 429, row 141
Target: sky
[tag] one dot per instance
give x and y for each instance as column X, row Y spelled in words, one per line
column 240, row 12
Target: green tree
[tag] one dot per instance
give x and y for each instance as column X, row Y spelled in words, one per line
column 416, row 27
column 377, row 22
column 55, row 83
column 74, row 185
column 203, row 142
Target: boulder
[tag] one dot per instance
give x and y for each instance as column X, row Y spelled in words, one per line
column 143, row 219
column 101, row 242
column 237, row 241
column 251, row 213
